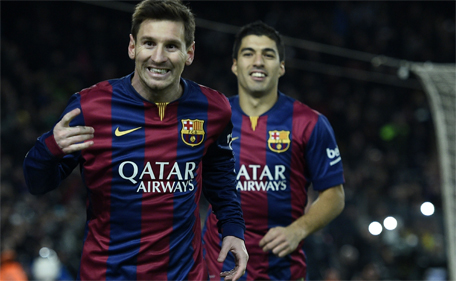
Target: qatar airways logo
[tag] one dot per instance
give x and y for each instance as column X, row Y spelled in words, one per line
column 154, row 178
column 333, row 155
column 261, row 178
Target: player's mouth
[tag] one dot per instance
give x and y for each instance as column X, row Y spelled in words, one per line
column 258, row 75
column 157, row 71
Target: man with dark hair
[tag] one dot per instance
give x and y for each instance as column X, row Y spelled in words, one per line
column 282, row 147
column 147, row 144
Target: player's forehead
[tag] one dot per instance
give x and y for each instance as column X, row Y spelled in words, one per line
column 258, row 42
column 163, row 29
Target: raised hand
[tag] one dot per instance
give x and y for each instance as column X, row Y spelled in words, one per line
column 71, row 139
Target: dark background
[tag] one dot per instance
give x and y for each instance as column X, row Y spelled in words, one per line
column 383, row 125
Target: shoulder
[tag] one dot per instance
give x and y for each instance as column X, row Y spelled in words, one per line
column 105, row 86
column 212, row 94
column 300, row 110
column 215, row 99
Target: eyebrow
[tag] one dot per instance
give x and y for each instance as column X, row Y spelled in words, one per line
column 263, row 50
column 168, row 41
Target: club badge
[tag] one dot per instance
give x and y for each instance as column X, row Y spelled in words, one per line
column 192, row 131
column 279, row 141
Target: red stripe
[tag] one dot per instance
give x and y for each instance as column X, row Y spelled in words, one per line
column 218, row 113
column 256, row 225
column 211, row 236
column 53, row 147
column 301, row 136
column 199, row 270
column 95, row 251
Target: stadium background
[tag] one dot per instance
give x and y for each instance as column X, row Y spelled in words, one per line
column 383, row 124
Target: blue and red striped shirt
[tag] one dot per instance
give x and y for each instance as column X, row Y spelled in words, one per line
column 144, row 176
column 278, row 155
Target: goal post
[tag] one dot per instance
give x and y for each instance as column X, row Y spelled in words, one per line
column 438, row 81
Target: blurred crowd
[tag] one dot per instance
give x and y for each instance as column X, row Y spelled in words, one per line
column 52, row 49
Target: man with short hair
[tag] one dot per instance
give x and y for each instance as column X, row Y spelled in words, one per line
column 147, row 144
column 282, row 147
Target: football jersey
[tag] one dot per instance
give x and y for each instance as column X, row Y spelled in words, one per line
column 144, row 175
column 278, row 155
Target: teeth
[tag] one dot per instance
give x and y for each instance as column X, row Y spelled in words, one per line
column 156, row 70
column 258, row 74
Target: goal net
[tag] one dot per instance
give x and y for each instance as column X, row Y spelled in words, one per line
column 439, row 83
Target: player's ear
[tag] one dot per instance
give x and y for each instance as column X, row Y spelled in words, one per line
column 190, row 54
column 282, row 68
column 131, row 48
column 234, row 67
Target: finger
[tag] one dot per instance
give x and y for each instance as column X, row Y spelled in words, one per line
column 280, row 249
column 271, row 245
column 77, row 147
column 223, row 253
column 228, row 273
column 65, row 142
column 67, row 118
column 284, row 252
column 79, row 130
column 270, row 235
column 69, row 135
column 239, row 273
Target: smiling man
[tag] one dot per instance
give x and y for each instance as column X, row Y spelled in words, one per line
column 147, row 145
column 282, row 147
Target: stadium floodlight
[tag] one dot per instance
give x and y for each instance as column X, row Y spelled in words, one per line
column 390, row 223
column 427, row 209
column 375, row 228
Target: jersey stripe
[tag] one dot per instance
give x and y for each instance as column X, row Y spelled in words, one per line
column 126, row 204
column 95, row 241
column 280, row 198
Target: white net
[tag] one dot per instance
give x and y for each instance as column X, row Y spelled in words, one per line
column 439, row 83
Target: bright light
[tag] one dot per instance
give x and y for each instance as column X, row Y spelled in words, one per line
column 427, row 209
column 45, row 252
column 375, row 228
column 390, row 223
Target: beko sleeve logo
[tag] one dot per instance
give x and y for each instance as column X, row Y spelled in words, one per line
column 333, row 155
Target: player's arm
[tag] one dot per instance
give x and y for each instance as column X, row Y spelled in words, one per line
column 56, row 153
column 219, row 189
column 284, row 240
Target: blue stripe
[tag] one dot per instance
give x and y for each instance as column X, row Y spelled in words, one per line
column 236, row 119
column 280, row 216
column 125, row 202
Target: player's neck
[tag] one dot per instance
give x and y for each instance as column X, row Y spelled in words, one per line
column 256, row 105
column 167, row 95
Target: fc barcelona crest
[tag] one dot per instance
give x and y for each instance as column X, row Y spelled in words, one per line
column 279, row 141
column 192, row 131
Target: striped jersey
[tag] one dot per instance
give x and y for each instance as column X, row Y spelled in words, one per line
column 278, row 155
column 144, row 176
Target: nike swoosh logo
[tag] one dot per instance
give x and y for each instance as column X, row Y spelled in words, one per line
column 119, row 133
column 235, row 138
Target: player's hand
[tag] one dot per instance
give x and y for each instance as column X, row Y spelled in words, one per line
column 71, row 139
column 281, row 240
column 237, row 247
